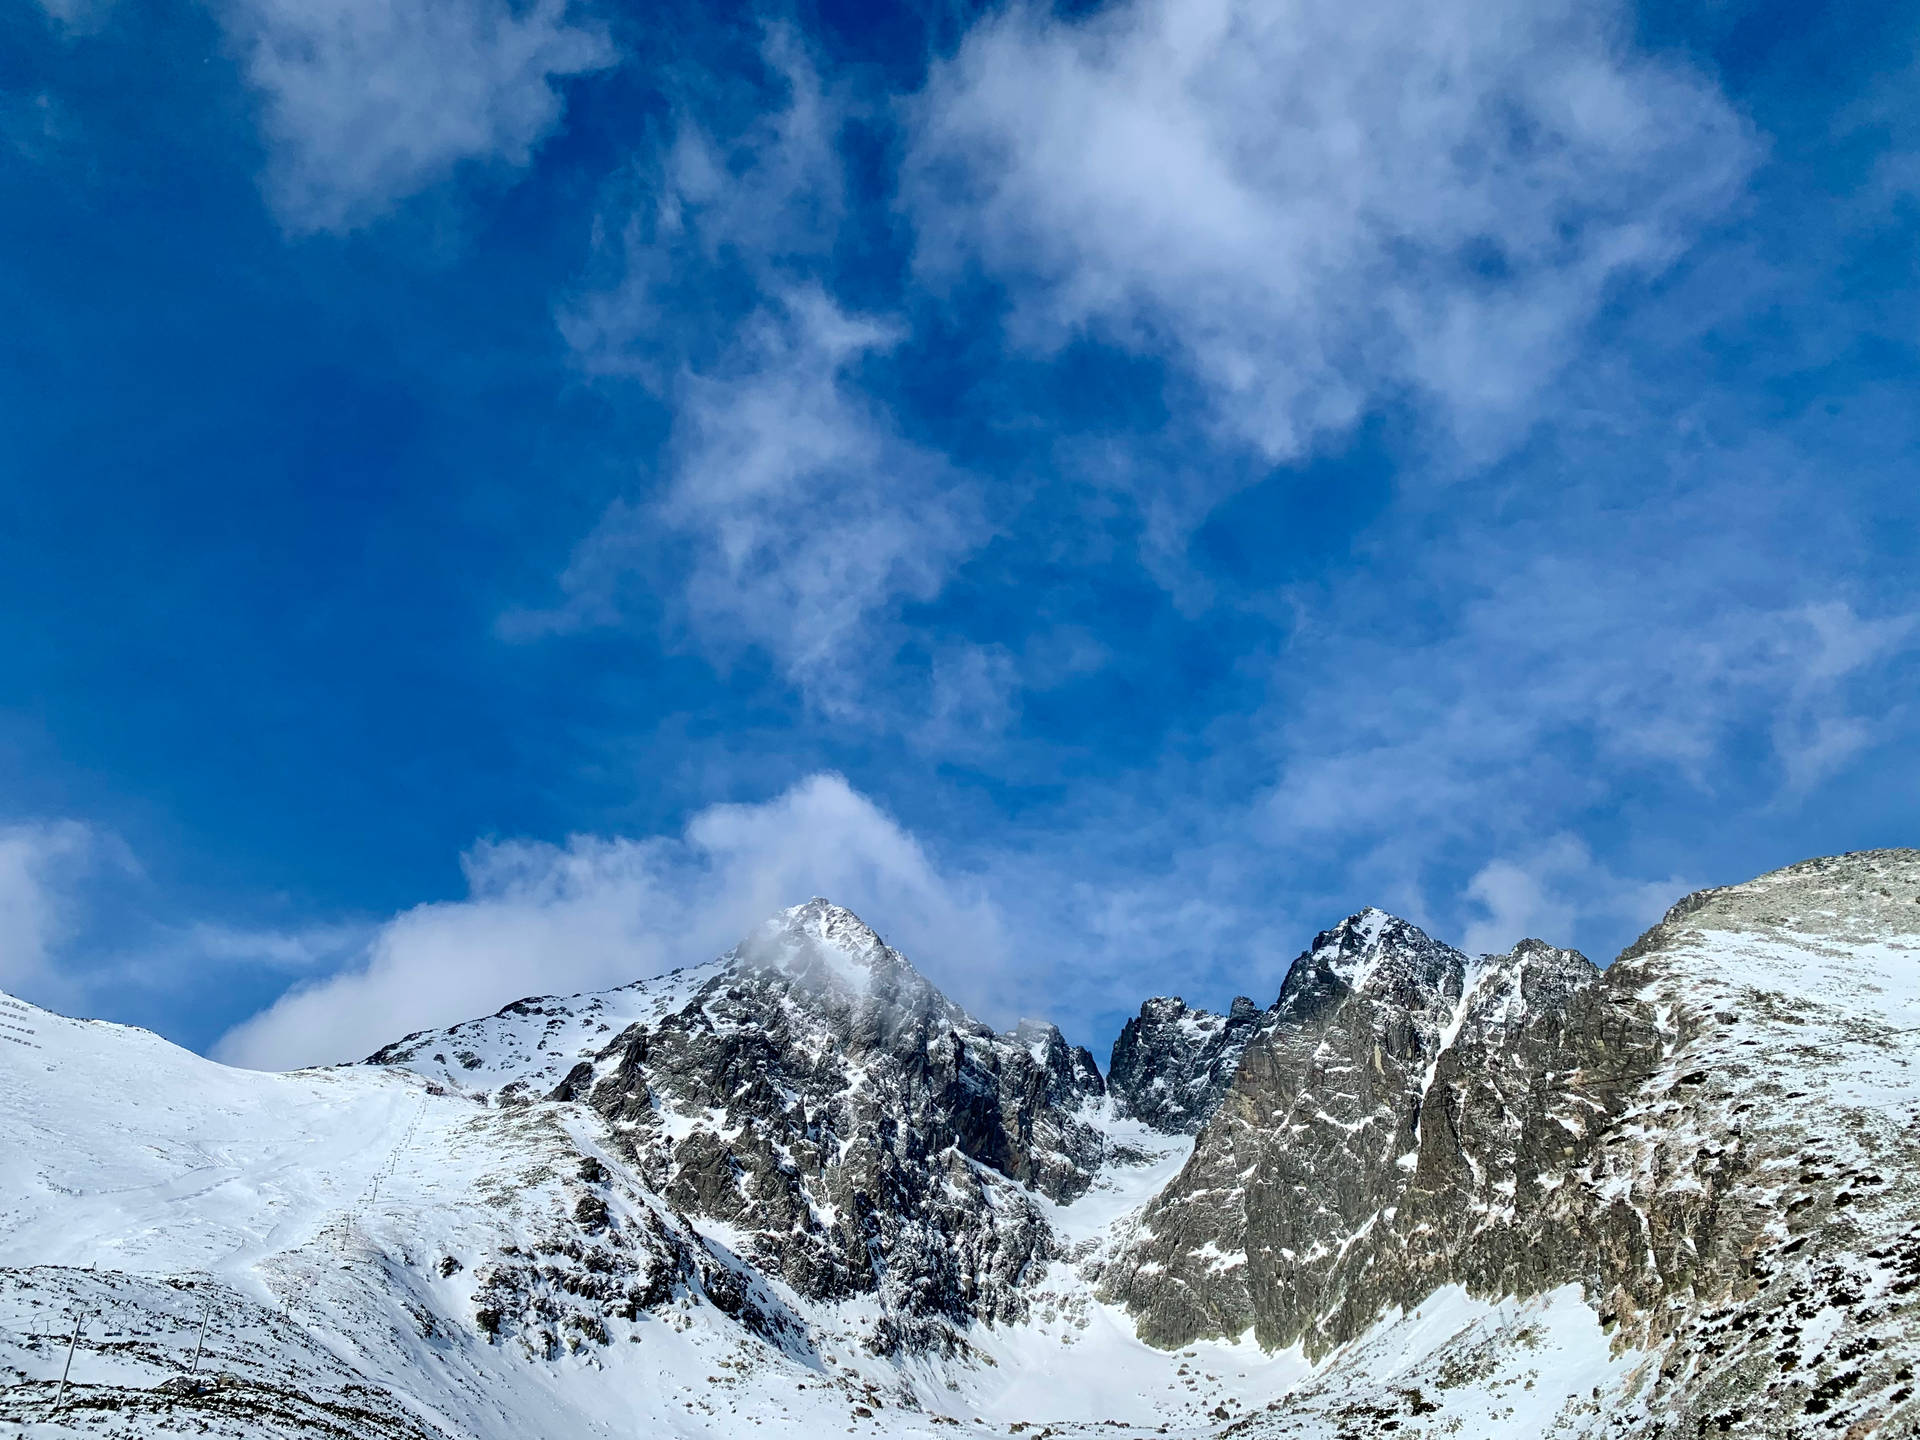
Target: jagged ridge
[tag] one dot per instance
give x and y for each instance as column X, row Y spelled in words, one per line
column 1713, row 1143
column 858, row 1131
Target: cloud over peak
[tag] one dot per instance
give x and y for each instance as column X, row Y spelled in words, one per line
column 595, row 913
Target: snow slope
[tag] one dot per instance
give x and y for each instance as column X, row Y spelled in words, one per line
column 308, row 1219
column 430, row 1251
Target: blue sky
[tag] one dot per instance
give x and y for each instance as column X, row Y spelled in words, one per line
column 497, row 497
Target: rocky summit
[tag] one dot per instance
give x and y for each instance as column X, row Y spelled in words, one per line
column 1390, row 1130
column 1171, row 1065
column 856, row 1131
column 798, row 1190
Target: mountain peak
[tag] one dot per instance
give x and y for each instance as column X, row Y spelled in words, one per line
column 822, row 916
column 822, row 943
column 1372, row 946
column 1171, row 1065
column 826, row 951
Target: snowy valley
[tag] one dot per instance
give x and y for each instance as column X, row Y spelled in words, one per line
column 797, row 1191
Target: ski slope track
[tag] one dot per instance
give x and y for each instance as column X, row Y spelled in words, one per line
column 797, row 1191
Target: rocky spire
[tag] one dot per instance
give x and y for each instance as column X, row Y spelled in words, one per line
column 1171, row 1064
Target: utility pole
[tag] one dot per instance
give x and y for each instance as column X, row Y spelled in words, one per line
column 79, row 1319
column 200, row 1344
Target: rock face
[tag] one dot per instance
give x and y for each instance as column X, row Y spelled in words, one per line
column 1544, row 1060
column 1503, row 1196
column 1715, row 1140
column 1407, row 1118
column 1171, row 1065
column 1277, row 1219
column 1754, row 1212
column 858, row 1131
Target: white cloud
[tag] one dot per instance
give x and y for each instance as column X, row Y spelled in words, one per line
column 807, row 512
column 1561, row 684
column 212, row 943
column 1554, row 889
column 793, row 512
column 63, row 885
column 975, row 692
column 599, row 912
column 1825, row 647
column 768, row 202
column 40, row 864
column 366, row 102
column 1517, row 905
column 800, row 516
column 1537, row 693
column 79, row 928
column 1317, row 206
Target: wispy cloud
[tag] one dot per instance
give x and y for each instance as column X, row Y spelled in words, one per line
column 797, row 514
column 1561, row 684
column 1463, row 758
column 41, row 868
column 77, row 17
column 366, row 102
column 1312, row 212
column 754, row 206
column 212, row 944
column 83, row 926
column 1072, row 927
column 1318, row 209
column 34, row 126
column 1825, row 647
column 794, row 513
column 1553, row 891
column 601, row 912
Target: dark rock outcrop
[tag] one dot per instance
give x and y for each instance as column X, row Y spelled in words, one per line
column 1171, row 1065
column 1399, row 1123
column 1714, row 1141
column 858, row 1131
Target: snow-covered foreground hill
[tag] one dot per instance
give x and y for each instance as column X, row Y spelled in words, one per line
column 797, row 1191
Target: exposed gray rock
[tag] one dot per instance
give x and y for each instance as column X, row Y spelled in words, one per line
column 860, row 1132
column 1171, row 1065
column 1716, row 1140
column 1304, row 1152
column 1757, row 1199
column 1405, row 1120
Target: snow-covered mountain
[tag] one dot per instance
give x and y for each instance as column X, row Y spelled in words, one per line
column 854, row 1131
column 797, row 1190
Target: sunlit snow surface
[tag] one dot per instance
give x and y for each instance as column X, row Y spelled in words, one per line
column 307, row 1216
column 327, row 1226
